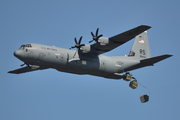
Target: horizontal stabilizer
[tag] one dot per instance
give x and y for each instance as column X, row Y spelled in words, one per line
column 154, row 60
column 148, row 62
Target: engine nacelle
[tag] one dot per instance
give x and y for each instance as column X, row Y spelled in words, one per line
column 85, row 49
column 104, row 40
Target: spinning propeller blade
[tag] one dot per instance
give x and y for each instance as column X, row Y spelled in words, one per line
column 78, row 44
column 95, row 37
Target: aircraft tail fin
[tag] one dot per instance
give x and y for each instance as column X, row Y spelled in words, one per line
column 140, row 49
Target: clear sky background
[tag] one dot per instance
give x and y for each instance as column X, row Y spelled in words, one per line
column 53, row 95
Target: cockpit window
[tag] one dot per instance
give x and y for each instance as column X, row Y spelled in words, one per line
column 23, row 46
column 28, row 45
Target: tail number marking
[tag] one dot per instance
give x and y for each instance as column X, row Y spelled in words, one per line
column 142, row 52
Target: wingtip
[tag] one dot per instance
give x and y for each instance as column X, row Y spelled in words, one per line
column 147, row 26
column 10, row 72
column 168, row 55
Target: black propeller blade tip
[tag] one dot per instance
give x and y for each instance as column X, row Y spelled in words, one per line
column 78, row 43
column 95, row 37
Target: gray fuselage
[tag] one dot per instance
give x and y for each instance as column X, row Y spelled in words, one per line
column 74, row 61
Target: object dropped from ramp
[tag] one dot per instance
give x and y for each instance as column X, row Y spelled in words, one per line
column 144, row 98
column 133, row 84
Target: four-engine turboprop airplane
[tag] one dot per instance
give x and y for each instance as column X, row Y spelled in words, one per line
column 87, row 59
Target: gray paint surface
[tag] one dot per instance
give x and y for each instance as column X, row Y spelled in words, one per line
column 88, row 59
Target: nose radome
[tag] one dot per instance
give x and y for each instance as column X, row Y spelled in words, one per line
column 17, row 53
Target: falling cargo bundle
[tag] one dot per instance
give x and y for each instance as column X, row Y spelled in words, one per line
column 133, row 84
column 144, row 98
column 127, row 77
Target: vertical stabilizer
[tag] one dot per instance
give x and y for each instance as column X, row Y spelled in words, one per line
column 140, row 49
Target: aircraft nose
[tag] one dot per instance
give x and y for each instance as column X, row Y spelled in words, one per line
column 18, row 53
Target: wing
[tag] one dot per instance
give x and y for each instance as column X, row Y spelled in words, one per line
column 26, row 69
column 118, row 40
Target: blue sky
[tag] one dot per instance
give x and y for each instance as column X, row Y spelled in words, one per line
column 49, row 94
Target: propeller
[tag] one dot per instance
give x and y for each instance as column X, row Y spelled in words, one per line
column 78, row 44
column 95, row 37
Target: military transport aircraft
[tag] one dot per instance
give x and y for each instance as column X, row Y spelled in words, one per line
column 87, row 59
